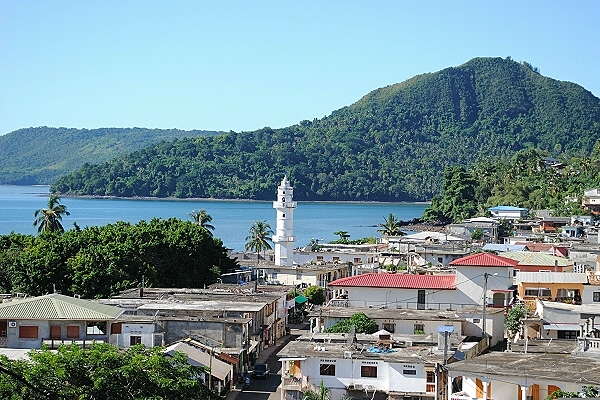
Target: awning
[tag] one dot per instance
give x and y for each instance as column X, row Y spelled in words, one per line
column 301, row 299
column 562, row 327
column 219, row 369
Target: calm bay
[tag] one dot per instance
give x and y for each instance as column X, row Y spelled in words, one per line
column 232, row 218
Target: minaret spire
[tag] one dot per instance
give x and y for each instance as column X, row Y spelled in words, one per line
column 284, row 233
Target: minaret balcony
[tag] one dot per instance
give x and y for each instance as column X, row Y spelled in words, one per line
column 282, row 239
column 284, row 204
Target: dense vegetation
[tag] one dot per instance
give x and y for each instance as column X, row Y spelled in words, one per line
column 528, row 179
column 101, row 261
column 101, row 372
column 34, row 156
column 391, row 145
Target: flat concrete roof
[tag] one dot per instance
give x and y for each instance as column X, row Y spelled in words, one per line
column 387, row 313
column 533, row 366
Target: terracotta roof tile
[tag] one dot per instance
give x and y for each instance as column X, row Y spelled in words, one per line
column 403, row 281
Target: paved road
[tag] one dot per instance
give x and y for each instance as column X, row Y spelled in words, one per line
column 268, row 389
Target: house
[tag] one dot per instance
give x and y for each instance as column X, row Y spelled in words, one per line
column 591, row 201
column 54, row 319
column 396, row 291
column 326, row 268
column 566, row 287
column 485, row 275
column 380, row 366
column 129, row 330
column 538, row 262
column 465, row 321
column 487, row 226
column 508, row 212
column 220, row 374
column 547, row 366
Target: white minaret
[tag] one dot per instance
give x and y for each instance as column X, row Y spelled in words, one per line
column 284, row 234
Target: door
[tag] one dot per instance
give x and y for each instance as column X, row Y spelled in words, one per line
column 421, row 300
column 55, row 332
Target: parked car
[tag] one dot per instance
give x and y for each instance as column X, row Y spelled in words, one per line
column 261, row 370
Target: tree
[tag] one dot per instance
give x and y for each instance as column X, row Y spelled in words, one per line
column 202, row 218
column 321, row 393
column 361, row 322
column 102, row 371
column 315, row 295
column 49, row 218
column 258, row 238
column 343, row 235
column 513, row 321
column 477, row 234
column 391, row 227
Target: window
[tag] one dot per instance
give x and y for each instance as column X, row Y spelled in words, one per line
column 133, row 340
column 283, row 215
column 419, row 329
column 430, row 386
column 28, row 332
column 390, row 327
column 368, row 371
column 538, row 292
column 567, row 334
column 298, row 277
column 596, row 296
column 515, row 272
column 55, row 332
column 274, row 275
column 73, row 332
column 409, row 371
column 327, row 369
column 116, row 328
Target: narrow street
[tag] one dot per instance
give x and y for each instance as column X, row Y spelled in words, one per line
column 268, row 389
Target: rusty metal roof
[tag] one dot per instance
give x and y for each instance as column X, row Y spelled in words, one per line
column 57, row 306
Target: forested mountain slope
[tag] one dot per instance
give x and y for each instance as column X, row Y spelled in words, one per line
column 391, row 145
column 40, row 155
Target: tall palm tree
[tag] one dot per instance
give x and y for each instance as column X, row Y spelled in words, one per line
column 391, row 227
column 258, row 237
column 49, row 218
column 203, row 219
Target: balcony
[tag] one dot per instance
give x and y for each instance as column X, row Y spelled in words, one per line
column 284, row 204
column 291, row 382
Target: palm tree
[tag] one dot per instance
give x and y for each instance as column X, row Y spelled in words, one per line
column 321, row 393
column 343, row 235
column 49, row 218
column 202, row 218
column 258, row 238
column 391, row 227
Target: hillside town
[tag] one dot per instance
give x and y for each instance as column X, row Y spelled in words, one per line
column 443, row 303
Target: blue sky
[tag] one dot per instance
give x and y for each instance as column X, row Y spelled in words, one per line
column 243, row 65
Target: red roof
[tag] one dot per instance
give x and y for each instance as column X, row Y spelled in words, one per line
column 402, row 281
column 485, row 260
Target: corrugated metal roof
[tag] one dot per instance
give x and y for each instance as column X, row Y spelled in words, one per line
column 551, row 277
column 218, row 368
column 403, row 281
column 539, row 259
column 57, row 306
column 485, row 260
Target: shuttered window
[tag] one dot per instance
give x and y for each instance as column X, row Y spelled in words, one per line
column 28, row 332
column 73, row 332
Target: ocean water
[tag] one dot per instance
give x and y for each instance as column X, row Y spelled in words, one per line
column 231, row 219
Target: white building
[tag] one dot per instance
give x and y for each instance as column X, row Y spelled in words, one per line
column 284, row 233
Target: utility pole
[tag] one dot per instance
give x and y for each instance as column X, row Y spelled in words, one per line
column 483, row 320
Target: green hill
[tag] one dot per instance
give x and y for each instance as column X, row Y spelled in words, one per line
column 391, row 145
column 40, row 155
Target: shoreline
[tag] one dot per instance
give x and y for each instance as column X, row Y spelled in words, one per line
column 66, row 196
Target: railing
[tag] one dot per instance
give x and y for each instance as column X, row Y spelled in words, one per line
column 399, row 305
column 56, row 343
column 292, row 383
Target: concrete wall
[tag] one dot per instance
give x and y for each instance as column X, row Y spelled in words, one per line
column 177, row 330
column 390, row 377
column 13, row 340
column 401, row 298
